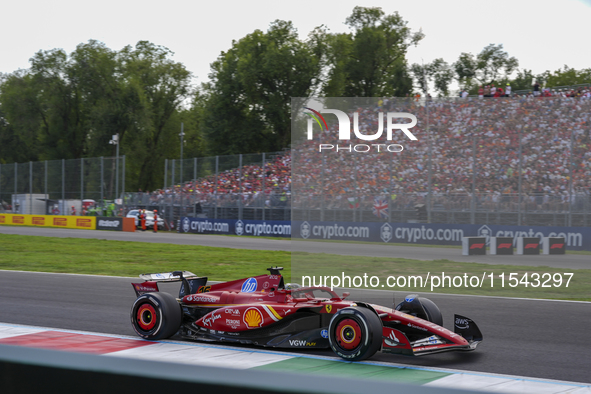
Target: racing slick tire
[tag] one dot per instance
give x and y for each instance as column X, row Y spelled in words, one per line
column 355, row 333
column 156, row 316
column 429, row 311
column 433, row 313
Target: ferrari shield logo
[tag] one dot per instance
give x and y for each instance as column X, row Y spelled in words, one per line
column 328, row 308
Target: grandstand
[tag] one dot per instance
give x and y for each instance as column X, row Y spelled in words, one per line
column 548, row 138
column 476, row 147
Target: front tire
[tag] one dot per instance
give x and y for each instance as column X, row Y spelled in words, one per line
column 433, row 313
column 427, row 310
column 355, row 333
column 156, row 316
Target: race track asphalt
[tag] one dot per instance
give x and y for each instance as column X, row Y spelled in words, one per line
column 532, row 338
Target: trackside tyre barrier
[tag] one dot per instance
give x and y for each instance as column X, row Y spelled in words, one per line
column 528, row 245
column 473, row 246
column 553, row 245
column 501, row 245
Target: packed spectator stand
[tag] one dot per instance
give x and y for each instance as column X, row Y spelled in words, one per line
column 547, row 136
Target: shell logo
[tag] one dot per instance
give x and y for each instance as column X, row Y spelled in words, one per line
column 253, row 318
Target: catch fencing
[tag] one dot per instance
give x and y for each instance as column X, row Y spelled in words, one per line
column 55, row 186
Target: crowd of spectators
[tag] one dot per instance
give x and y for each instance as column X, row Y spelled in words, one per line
column 252, row 185
column 490, row 132
column 548, row 136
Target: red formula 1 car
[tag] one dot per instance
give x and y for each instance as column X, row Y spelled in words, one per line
column 264, row 311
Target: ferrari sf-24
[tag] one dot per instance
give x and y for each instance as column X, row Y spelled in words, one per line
column 264, row 311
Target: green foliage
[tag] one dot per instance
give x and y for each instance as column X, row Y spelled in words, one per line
column 20, row 118
column 247, row 109
column 159, row 85
column 490, row 66
column 523, row 80
column 438, row 72
column 566, row 76
column 192, row 117
column 67, row 107
column 370, row 61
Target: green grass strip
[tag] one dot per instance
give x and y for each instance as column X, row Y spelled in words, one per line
column 124, row 258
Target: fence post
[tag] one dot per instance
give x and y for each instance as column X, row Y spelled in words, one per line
column 46, row 197
column 263, row 187
column 430, row 174
column 15, row 186
column 81, row 182
column 570, row 181
column 165, row 173
column 240, row 187
column 322, row 188
column 215, row 197
column 30, row 187
column 63, row 186
column 473, row 202
column 519, row 179
column 102, row 180
column 195, row 187
column 123, row 186
column 172, row 174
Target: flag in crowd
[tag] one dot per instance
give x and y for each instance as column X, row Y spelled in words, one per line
column 353, row 202
column 380, row 207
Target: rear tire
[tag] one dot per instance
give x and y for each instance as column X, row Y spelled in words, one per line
column 156, row 316
column 355, row 333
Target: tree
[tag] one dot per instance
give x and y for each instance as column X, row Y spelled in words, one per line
column 61, row 134
column 489, row 66
column 371, row 61
column 248, row 104
column 192, row 117
column 20, row 118
column 567, row 76
column 157, row 86
column 106, row 102
column 523, row 80
column 68, row 107
column 437, row 72
column 442, row 75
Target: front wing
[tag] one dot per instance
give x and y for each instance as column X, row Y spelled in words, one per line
column 396, row 342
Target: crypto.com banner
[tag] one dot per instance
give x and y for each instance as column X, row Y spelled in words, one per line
column 257, row 228
column 576, row 238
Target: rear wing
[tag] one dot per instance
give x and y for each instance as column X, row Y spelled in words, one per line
column 175, row 276
column 191, row 283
